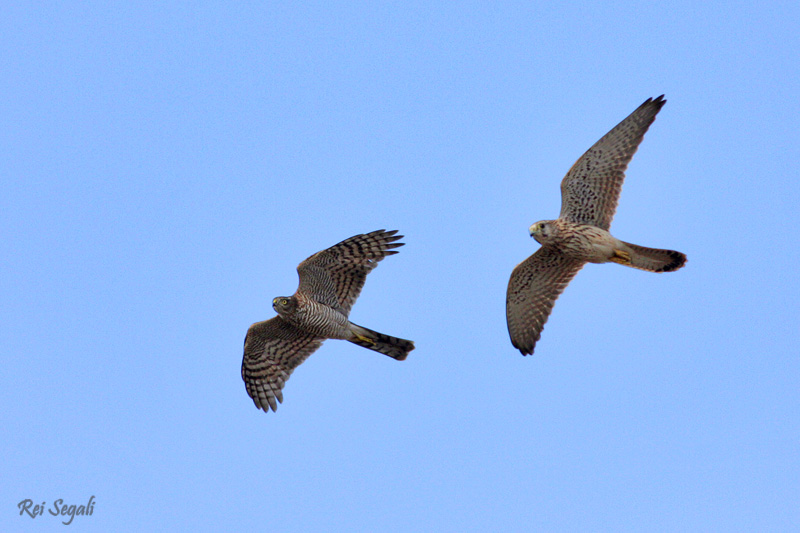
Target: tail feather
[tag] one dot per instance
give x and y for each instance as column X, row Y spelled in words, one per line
column 385, row 344
column 654, row 259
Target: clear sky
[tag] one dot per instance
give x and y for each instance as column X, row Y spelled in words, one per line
column 166, row 166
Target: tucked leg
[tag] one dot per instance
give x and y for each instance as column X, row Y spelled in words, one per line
column 621, row 257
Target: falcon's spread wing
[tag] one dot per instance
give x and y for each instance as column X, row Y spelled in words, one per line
column 590, row 190
column 534, row 286
column 272, row 350
column 335, row 276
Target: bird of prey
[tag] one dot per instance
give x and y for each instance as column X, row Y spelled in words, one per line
column 589, row 195
column 330, row 282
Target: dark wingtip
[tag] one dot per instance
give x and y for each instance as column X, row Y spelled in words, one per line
column 389, row 236
column 268, row 408
column 524, row 350
column 658, row 102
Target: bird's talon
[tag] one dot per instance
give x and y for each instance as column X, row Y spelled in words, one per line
column 362, row 338
column 621, row 257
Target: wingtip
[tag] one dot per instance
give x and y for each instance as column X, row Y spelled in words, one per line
column 260, row 407
column 659, row 101
column 524, row 350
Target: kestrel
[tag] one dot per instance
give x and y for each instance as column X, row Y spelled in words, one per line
column 589, row 195
column 330, row 282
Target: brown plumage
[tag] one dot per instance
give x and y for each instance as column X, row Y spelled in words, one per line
column 330, row 282
column 589, row 196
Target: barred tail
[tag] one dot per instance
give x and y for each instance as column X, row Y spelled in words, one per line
column 391, row 346
column 654, row 259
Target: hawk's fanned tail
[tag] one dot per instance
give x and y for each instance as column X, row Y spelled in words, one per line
column 385, row 344
column 654, row 259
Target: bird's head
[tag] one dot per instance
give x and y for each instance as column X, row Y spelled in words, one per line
column 284, row 304
column 542, row 231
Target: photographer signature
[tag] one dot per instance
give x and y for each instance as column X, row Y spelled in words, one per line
column 58, row 508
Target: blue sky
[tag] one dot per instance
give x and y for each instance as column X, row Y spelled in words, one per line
column 166, row 167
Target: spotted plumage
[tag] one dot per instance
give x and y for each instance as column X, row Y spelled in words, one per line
column 589, row 195
column 330, row 282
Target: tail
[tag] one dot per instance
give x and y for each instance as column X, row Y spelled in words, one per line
column 654, row 259
column 391, row 346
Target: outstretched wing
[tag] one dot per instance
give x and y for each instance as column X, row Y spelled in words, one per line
column 534, row 286
column 590, row 190
column 335, row 276
column 272, row 350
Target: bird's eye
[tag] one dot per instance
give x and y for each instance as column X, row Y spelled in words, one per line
column 284, row 301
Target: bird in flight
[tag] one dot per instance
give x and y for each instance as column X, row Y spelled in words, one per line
column 589, row 195
column 330, row 282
